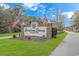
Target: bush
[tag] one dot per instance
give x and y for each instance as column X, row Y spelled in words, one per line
column 16, row 30
column 54, row 32
column 14, row 36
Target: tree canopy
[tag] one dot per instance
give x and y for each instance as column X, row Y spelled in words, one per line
column 7, row 16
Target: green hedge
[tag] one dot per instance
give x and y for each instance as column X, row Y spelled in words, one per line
column 54, row 32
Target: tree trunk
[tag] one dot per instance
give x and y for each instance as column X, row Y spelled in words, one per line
column 10, row 29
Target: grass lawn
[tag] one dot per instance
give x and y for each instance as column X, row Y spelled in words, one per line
column 12, row 47
column 9, row 34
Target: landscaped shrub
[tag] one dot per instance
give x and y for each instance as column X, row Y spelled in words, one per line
column 16, row 30
column 54, row 32
column 14, row 36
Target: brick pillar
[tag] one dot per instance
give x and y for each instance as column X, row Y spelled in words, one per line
column 49, row 30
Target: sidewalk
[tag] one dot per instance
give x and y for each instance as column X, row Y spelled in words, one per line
column 5, row 37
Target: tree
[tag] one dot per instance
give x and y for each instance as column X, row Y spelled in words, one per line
column 3, row 27
column 59, row 19
column 75, row 18
column 7, row 16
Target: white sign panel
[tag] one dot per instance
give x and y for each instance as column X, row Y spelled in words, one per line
column 37, row 31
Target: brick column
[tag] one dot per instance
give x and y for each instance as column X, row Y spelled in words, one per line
column 49, row 30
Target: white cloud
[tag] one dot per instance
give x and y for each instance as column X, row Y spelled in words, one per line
column 42, row 9
column 6, row 6
column 51, row 9
column 68, row 14
column 32, row 6
column 53, row 15
column 43, row 6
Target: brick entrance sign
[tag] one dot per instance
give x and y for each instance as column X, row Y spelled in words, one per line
column 37, row 32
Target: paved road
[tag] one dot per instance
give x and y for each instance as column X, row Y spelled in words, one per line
column 69, row 47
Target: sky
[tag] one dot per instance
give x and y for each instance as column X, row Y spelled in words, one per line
column 47, row 9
